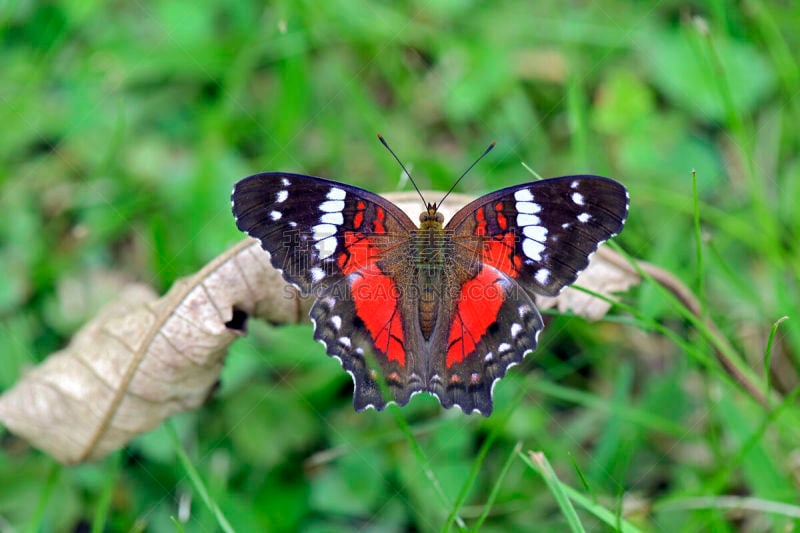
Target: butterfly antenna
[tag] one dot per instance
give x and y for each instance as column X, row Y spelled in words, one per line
column 488, row 149
column 383, row 142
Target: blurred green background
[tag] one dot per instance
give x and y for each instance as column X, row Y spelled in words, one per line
column 123, row 126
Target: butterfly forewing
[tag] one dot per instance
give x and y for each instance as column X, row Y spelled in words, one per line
column 543, row 233
column 313, row 228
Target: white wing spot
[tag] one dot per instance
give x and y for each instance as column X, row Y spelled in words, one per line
column 332, row 218
column 488, row 357
column 523, row 195
column 525, row 219
column 345, row 341
column 565, row 225
column 292, row 224
column 532, row 249
column 316, row 274
column 335, row 194
column 336, row 321
column 574, row 184
column 584, row 217
column 331, row 206
column 537, row 233
column 281, row 196
column 528, row 207
column 577, row 198
column 285, row 182
column 275, row 215
column 542, row 275
column 326, row 247
column 515, row 329
column 323, row 231
column 504, row 347
column 359, row 350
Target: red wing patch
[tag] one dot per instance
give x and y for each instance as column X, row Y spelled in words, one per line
column 480, row 217
column 476, row 309
column 380, row 217
column 359, row 252
column 499, row 253
column 376, row 297
column 358, row 218
column 498, row 250
column 501, row 218
column 375, row 294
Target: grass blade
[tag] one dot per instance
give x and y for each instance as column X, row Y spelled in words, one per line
column 37, row 517
column 722, row 478
column 738, row 503
column 698, row 242
column 497, row 484
column 612, row 519
column 473, row 474
column 104, row 499
column 476, row 466
column 538, row 462
column 425, row 464
column 583, row 479
column 197, row 481
column 768, row 352
column 730, row 359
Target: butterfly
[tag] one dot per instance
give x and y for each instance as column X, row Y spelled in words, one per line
column 442, row 308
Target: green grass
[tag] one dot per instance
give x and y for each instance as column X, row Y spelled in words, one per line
column 123, row 127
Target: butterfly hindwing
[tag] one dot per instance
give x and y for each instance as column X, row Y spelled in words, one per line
column 543, row 233
column 494, row 323
column 373, row 351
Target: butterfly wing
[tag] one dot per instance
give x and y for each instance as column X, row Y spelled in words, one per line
column 490, row 326
column 534, row 237
column 543, row 233
column 309, row 225
column 339, row 243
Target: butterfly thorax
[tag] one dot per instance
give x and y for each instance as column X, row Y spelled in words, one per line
column 432, row 249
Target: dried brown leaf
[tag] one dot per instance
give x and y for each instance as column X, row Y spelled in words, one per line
column 144, row 358
column 608, row 273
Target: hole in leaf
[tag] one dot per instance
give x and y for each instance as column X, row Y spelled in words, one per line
column 238, row 321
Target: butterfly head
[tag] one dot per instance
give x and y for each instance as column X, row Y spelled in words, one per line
column 431, row 217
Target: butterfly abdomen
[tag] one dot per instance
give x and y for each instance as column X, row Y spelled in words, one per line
column 432, row 250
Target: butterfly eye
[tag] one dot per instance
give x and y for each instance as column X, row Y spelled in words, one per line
column 439, row 218
column 423, row 216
